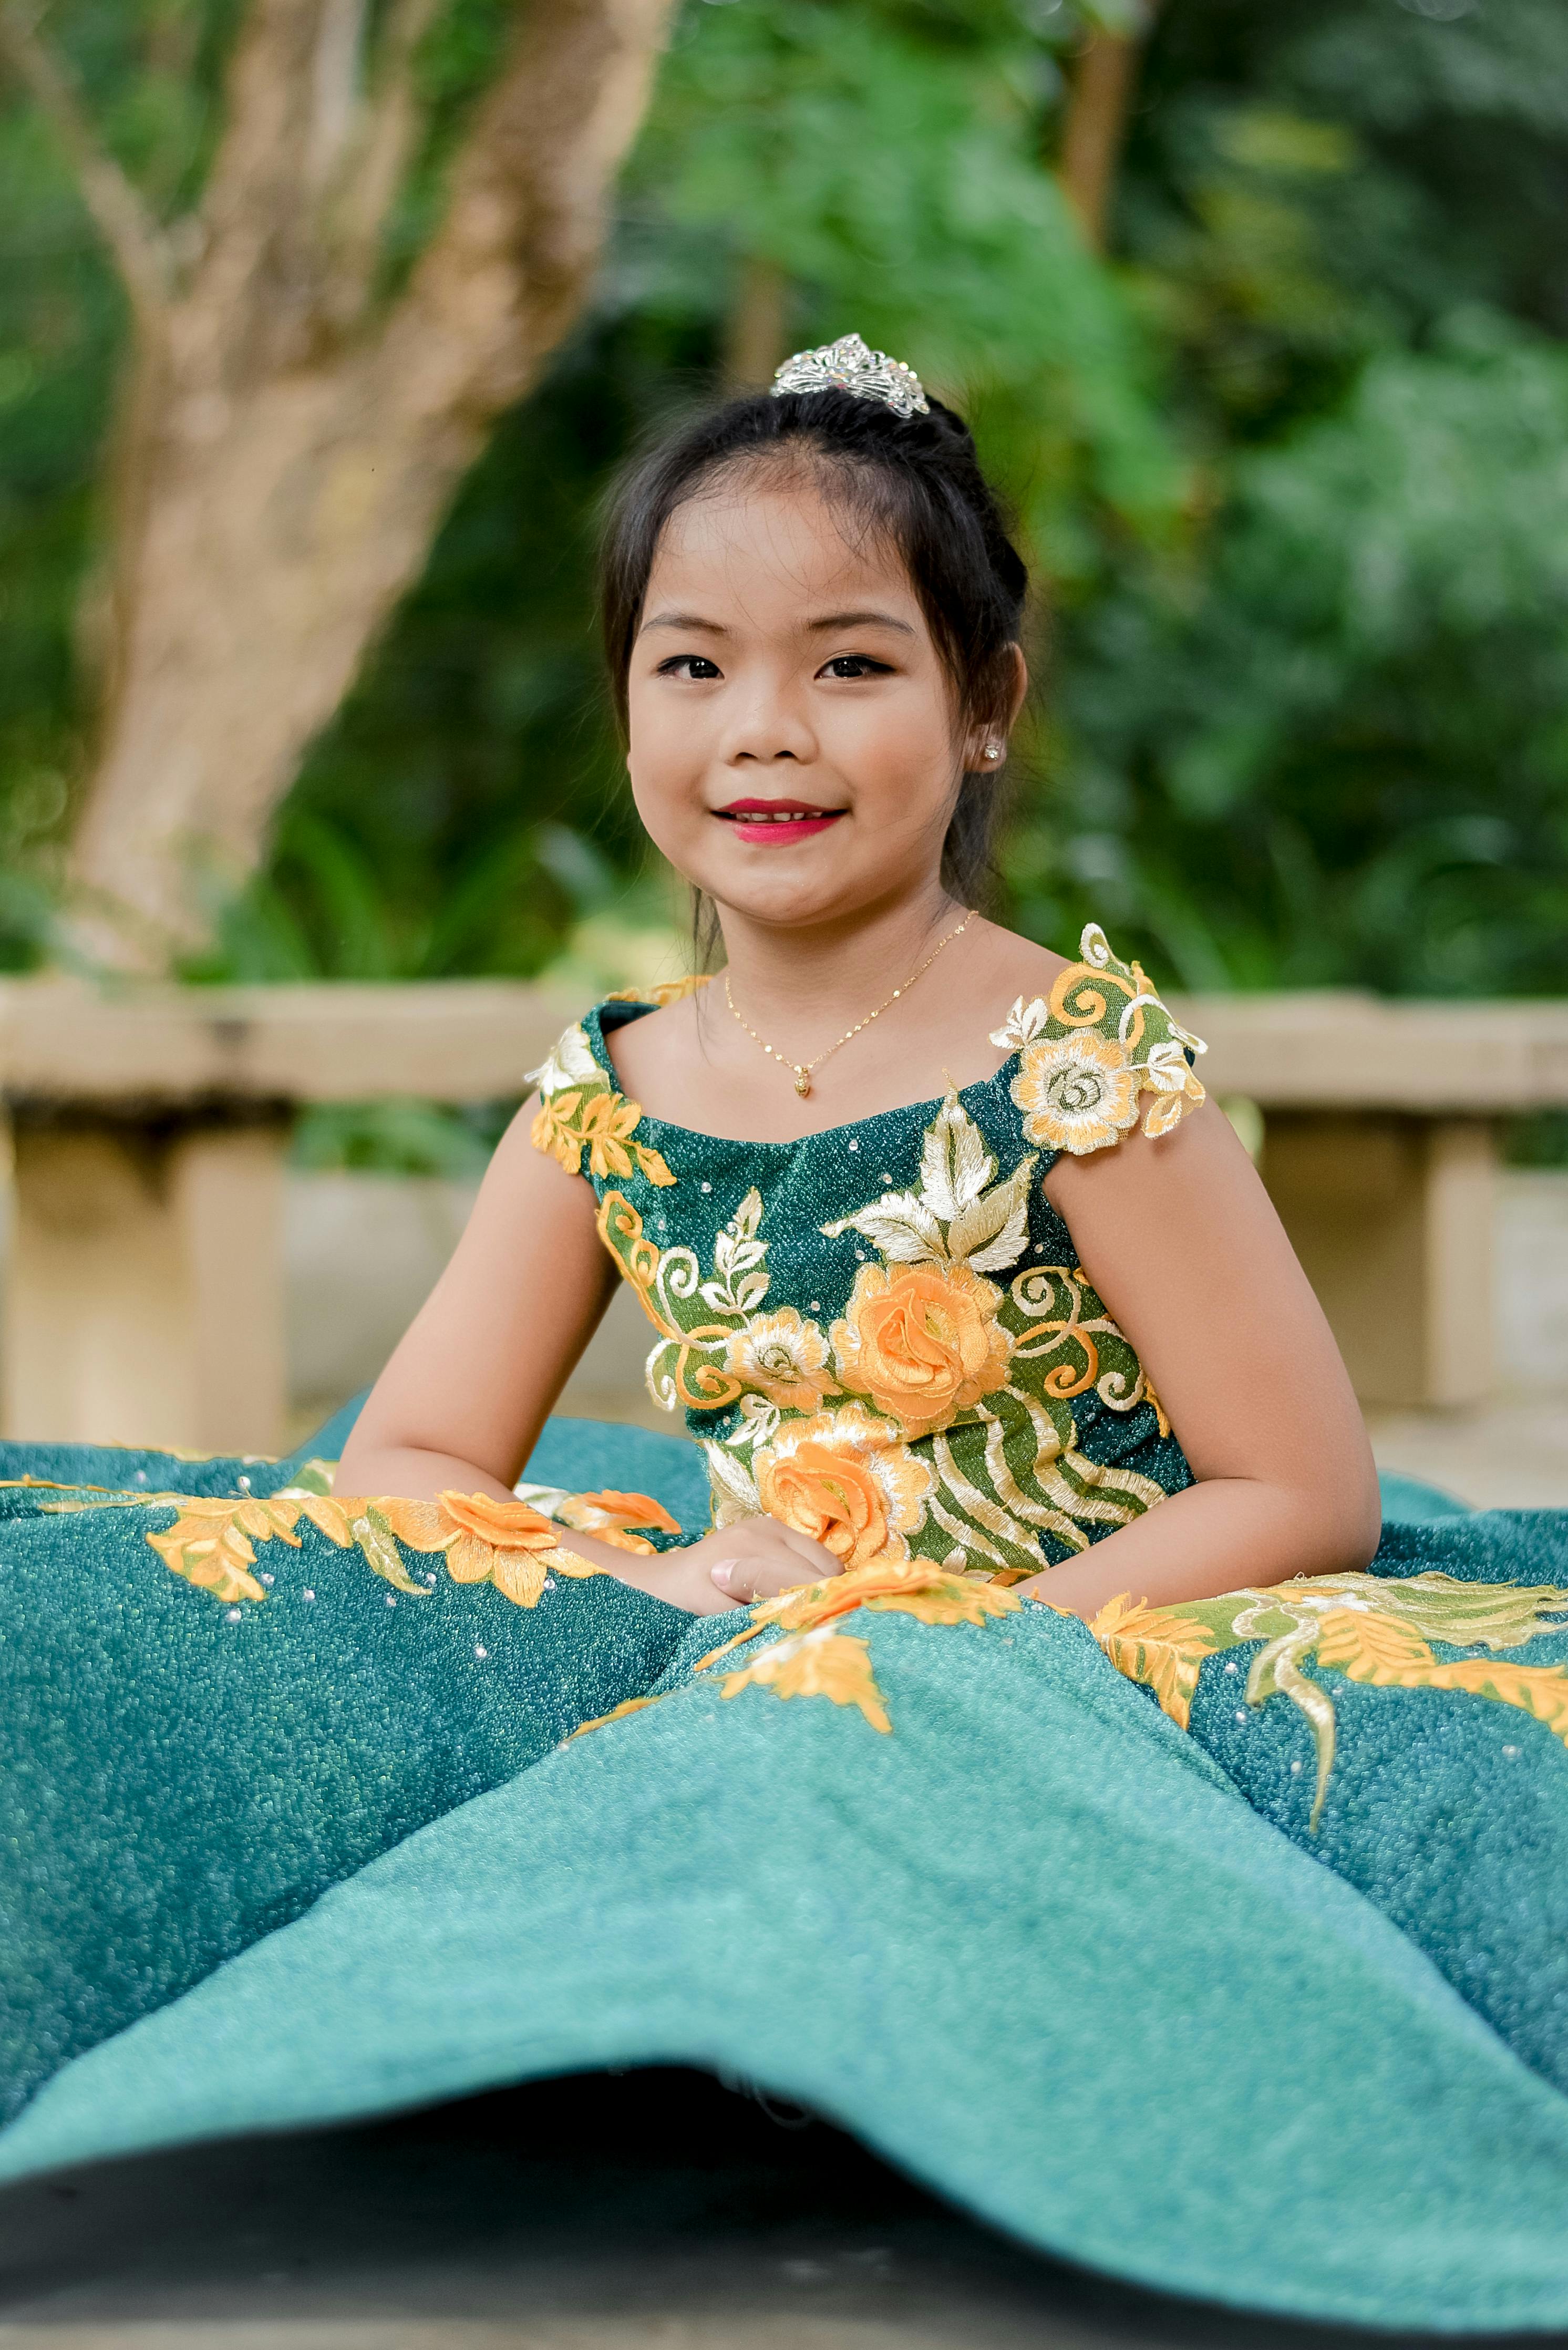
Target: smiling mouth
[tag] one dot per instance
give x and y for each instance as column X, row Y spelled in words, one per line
column 776, row 821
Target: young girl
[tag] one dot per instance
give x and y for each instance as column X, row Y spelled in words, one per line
column 813, row 616
column 1156, row 1923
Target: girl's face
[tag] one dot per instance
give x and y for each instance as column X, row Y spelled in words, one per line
column 795, row 750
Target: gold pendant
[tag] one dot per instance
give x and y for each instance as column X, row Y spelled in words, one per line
column 801, row 1082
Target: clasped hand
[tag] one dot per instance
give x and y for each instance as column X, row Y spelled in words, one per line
column 733, row 1565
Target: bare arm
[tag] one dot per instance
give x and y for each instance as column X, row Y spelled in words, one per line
column 1180, row 1240
column 473, row 1381
column 461, row 1404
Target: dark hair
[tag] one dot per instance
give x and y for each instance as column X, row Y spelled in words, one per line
column 918, row 480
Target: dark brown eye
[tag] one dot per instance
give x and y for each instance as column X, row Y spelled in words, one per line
column 691, row 665
column 854, row 665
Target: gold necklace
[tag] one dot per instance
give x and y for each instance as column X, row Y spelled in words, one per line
column 802, row 1069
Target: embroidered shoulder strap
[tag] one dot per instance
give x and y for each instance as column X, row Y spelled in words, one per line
column 1086, row 1056
column 580, row 1112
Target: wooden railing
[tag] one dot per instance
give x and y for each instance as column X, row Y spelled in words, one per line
column 150, row 1128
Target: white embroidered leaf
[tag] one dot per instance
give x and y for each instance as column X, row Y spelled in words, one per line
column 1167, row 1069
column 658, row 1375
column 748, row 1216
column 737, row 1256
column 898, row 1225
column 992, row 1230
column 758, row 1421
column 736, row 1493
column 547, row 1499
column 750, row 1292
column 570, row 1064
column 955, row 1165
column 719, row 1295
column 1021, row 1025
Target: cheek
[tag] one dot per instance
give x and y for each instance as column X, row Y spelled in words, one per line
column 899, row 752
column 667, row 760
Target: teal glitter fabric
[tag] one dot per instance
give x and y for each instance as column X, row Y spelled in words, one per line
column 1099, row 1976
column 181, row 1776
column 1034, row 1946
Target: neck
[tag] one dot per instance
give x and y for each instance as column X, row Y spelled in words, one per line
column 825, row 973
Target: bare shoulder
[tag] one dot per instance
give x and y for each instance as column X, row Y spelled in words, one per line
column 651, row 1050
column 1009, row 966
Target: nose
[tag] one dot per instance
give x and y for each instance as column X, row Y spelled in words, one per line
column 769, row 727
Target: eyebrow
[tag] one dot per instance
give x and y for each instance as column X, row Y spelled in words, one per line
column 830, row 621
column 859, row 620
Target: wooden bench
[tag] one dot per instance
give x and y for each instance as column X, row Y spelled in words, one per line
column 149, row 1131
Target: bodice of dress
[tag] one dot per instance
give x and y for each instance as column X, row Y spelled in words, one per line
column 882, row 1334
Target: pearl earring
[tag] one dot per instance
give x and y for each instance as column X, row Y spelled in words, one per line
column 994, row 749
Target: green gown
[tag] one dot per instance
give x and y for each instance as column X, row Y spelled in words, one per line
column 1158, row 1942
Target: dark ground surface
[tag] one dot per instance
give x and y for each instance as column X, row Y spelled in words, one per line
column 591, row 2214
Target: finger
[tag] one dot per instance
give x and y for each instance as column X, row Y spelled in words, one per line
column 737, row 1578
column 820, row 1560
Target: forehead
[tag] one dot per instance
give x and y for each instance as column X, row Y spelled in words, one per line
column 775, row 544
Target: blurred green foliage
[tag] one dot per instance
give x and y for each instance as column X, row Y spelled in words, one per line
column 1294, row 468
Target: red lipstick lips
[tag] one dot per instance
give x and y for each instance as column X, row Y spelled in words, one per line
column 770, row 823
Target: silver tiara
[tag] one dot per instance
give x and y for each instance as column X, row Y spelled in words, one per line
column 847, row 366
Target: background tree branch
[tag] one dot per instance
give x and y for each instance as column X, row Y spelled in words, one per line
column 527, row 206
column 284, row 485
column 377, row 157
column 122, row 219
column 1103, row 85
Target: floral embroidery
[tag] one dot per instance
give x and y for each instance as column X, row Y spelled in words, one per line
column 842, row 1477
column 958, row 1215
column 1360, row 1625
column 783, row 1358
column 922, row 1341
column 1076, row 1093
column 580, row 1111
column 663, row 991
column 979, row 1377
column 609, row 1516
column 211, row 1542
column 1085, row 1057
column 812, row 1661
column 823, row 1663
column 680, row 1369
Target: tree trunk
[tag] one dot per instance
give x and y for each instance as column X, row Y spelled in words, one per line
column 756, row 342
column 1103, row 82
column 287, row 447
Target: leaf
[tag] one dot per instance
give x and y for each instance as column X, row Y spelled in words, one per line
column 330, row 1518
column 823, row 1663
column 653, row 1166
column 595, row 1513
column 735, row 1491
column 1370, row 1647
column 314, row 1477
column 379, row 1547
column 210, row 1542
column 616, row 1713
column 571, row 1062
column 1021, row 1025
column 910, row 1586
column 956, row 1599
column 899, row 1226
column 746, row 1221
column 1158, row 1647
column 992, row 1230
column 955, row 1165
